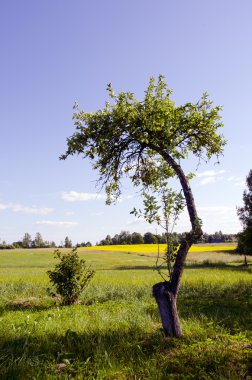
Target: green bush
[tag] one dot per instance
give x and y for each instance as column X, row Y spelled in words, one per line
column 70, row 276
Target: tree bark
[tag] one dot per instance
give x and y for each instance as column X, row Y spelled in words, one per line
column 245, row 261
column 166, row 293
column 167, row 306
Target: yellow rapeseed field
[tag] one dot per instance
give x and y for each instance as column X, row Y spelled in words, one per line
column 153, row 248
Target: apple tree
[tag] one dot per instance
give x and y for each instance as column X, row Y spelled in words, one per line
column 148, row 141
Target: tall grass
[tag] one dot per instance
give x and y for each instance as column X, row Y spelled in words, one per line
column 115, row 333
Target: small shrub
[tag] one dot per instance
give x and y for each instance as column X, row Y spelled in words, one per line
column 70, row 276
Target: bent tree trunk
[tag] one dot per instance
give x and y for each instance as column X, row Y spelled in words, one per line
column 167, row 306
column 166, row 293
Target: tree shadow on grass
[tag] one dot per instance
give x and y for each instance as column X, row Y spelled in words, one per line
column 229, row 251
column 135, row 267
column 84, row 355
column 31, row 304
column 218, row 265
column 69, row 353
column 192, row 265
column 229, row 306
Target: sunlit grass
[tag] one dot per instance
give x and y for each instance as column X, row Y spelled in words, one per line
column 116, row 332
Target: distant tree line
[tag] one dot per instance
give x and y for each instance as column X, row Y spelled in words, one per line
column 37, row 242
column 4, row 245
column 83, row 244
column 217, row 237
column 125, row 237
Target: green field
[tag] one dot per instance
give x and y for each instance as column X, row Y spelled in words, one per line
column 115, row 332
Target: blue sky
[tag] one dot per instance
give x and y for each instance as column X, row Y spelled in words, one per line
column 56, row 52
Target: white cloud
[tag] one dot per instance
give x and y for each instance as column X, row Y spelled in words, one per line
column 212, row 176
column 26, row 209
column 240, row 183
column 74, row 196
column 207, row 180
column 207, row 173
column 217, row 218
column 121, row 198
column 4, row 206
column 57, row 223
column 214, row 218
column 230, row 178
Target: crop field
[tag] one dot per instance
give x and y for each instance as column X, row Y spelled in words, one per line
column 153, row 248
column 114, row 332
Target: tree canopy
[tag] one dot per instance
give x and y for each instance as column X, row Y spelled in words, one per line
column 143, row 139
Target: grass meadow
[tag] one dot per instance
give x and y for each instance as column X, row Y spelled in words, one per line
column 115, row 330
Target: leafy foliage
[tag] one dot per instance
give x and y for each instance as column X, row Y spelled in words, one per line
column 134, row 137
column 6, row 246
column 68, row 242
column 163, row 206
column 70, row 276
column 245, row 216
column 38, row 241
column 26, row 242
